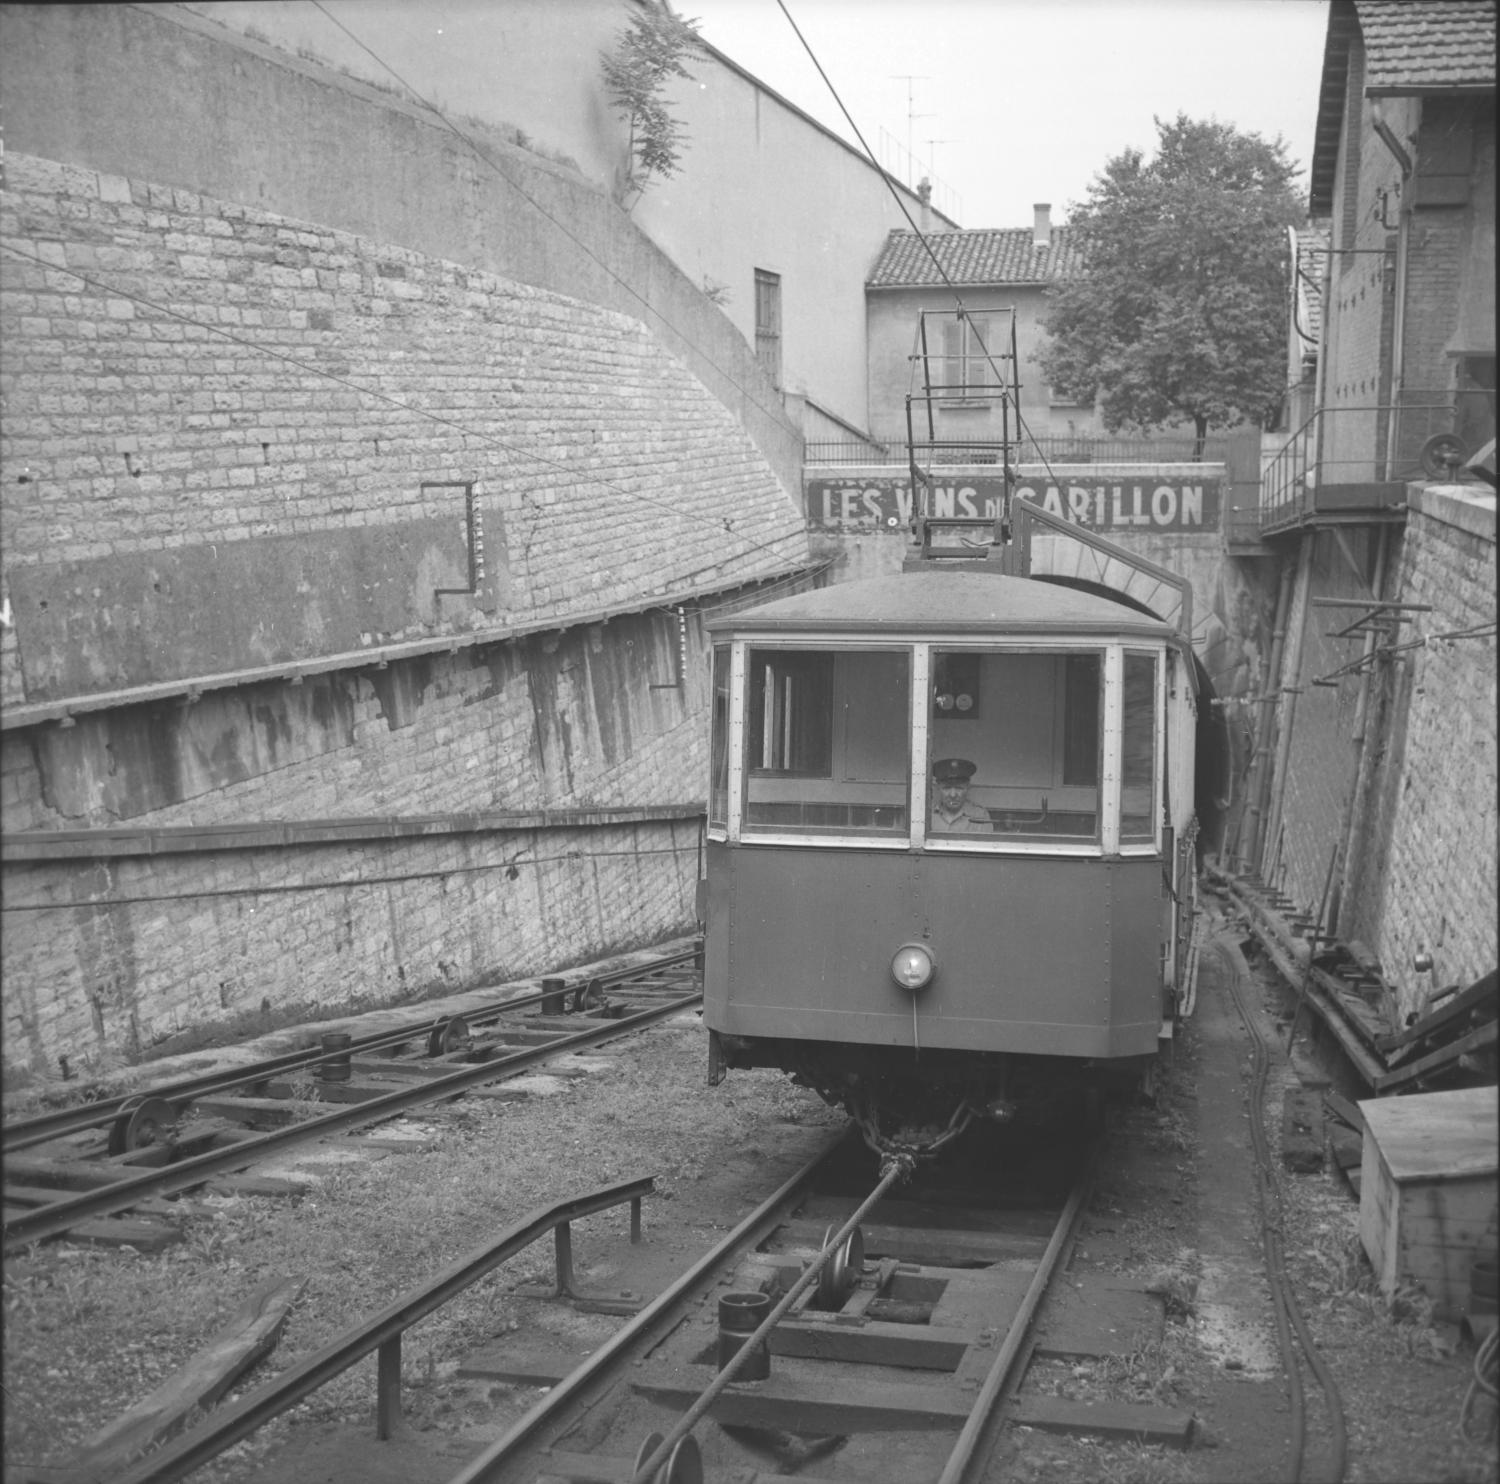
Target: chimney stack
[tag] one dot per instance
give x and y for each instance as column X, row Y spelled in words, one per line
column 1041, row 232
column 924, row 195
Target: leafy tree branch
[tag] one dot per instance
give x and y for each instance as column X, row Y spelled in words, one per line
column 648, row 54
column 1181, row 311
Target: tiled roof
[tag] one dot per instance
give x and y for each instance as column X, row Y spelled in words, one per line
column 972, row 258
column 1411, row 46
column 1436, row 44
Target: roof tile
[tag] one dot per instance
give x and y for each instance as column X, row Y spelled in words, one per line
column 1437, row 44
column 971, row 258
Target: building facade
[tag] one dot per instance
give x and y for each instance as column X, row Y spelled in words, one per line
column 1373, row 798
column 1000, row 278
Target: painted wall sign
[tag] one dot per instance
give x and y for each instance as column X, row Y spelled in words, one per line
column 1139, row 500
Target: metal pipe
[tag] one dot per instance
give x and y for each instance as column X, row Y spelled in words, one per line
column 1297, row 624
column 490, row 1464
column 1353, row 824
column 896, row 1169
column 1258, row 786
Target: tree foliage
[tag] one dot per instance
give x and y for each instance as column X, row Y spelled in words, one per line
column 648, row 54
column 1181, row 311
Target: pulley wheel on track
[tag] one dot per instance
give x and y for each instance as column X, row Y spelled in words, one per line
column 448, row 1035
column 842, row 1272
column 588, row 996
column 684, row 1465
column 142, row 1122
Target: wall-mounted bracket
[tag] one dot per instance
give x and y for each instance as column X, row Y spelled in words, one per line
column 473, row 534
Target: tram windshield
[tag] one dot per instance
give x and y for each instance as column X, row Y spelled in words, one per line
column 1019, row 733
column 1011, row 744
column 827, row 744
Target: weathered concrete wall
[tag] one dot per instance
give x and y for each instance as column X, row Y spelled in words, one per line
column 1431, row 879
column 110, row 953
column 759, row 184
column 1417, row 826
column 1316, row 794
column 256, row 321
column 229, row 435
column 156, row 94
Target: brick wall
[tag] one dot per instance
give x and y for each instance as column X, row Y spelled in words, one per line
column 211, row 381
column 1431, row 878
column 105, row 957
column 1322, row 754
column 225, row 420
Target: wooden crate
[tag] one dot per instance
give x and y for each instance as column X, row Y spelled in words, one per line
column 1428, row 1189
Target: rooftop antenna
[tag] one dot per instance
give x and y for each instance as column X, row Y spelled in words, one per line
column 931, row 163
column 911, row 117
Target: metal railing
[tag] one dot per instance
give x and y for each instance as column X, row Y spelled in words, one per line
column 1353, row 458
column 382, row 1333
column 1051, row 450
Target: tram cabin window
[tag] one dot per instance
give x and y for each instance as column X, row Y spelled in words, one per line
column 1031, row 730
column 827, row 741
column 1138, row 750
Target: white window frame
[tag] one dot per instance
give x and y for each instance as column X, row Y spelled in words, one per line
column 1106, row 845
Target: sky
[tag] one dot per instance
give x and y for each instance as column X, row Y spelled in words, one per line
column 1022, row 101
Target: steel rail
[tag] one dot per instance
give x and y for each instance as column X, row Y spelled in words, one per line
column 50, row 1220
column 645, row 1471
column 25, row 1132
column 237, row 1420
column 490, row 1466
column 1286, row 1311
column 959, row 1460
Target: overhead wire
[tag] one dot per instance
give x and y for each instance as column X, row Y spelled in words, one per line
column 921, row 236
column 518, row 450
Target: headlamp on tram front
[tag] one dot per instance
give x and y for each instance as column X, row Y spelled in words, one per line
column 913, row 967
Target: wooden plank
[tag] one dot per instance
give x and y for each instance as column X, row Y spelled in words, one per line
column 270, row 1112
column 1478, row 996
column 60, row 1174
column 872, row 1342
column 927, row 1248
column 1302, row 1130
column 29, row 1197
column 248, row 1337
column 123, row 1231
column 1347, row 1146
column 266, row 1185
column 1091, row 1314
column 1343, row 1108
column 1452, row 1052
column 1435, row 1135
column 1136, row 1421
column 833, row 1406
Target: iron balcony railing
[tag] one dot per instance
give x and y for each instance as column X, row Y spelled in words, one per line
column 1351, row 460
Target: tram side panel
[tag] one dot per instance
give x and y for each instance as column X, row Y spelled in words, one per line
column 1035, row 956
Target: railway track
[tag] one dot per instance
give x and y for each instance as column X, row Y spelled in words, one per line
column 78, row 1170
column 894, row 1330
column 866, row 1321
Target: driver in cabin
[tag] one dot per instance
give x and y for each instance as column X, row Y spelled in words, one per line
column 952, row 811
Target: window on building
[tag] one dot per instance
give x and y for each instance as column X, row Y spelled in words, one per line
column 971, row 354
column 768, row 323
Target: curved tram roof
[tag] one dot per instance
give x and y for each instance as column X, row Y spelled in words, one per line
column 947, row 602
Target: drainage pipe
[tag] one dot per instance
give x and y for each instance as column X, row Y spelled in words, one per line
column 1292, row 671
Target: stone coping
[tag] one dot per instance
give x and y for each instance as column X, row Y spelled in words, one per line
column 1469, row 507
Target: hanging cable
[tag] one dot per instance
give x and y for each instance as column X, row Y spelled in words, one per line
column 920, row 235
